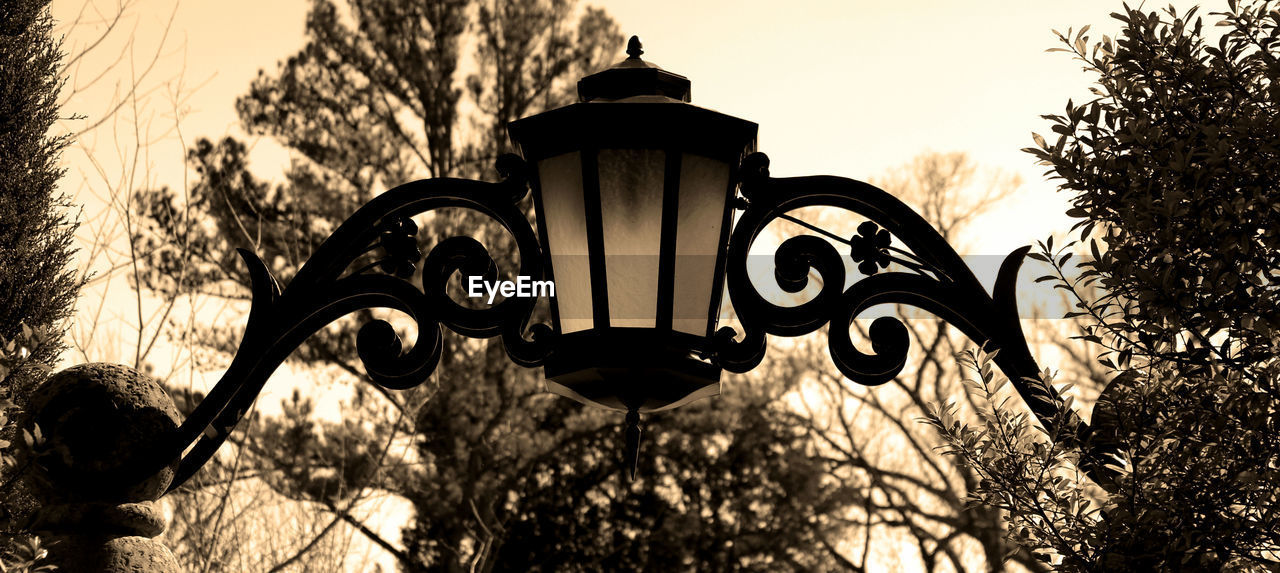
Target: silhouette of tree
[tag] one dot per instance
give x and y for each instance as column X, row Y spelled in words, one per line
column 1174, row 173
column 902, row 493
column 36, row 232
column 37, row 282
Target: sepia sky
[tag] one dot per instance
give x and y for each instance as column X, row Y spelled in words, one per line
column 845, row 88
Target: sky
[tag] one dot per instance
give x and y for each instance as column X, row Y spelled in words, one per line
column 844, row 88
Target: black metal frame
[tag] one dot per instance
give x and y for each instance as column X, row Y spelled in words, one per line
column 941, row 284
column 594, row 213
column 324, row 291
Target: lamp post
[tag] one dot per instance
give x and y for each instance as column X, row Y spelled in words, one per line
column 634, row 191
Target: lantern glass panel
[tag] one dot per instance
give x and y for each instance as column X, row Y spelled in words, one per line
column 631, row 183
column 565, row 216
column 704, row 187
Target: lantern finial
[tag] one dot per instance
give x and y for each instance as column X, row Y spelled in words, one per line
column 633, row 77
column 633, row 48
column 633, row 432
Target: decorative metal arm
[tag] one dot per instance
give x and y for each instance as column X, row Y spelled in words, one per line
column 324, row 291
column 940, row 283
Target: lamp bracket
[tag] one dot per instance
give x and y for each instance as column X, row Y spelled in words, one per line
column 325, row 290
column 937, row 281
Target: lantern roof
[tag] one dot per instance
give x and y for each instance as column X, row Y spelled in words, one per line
column 633, row 105
column 633, row 77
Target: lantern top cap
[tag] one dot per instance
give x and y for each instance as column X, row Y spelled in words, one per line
column 633, row 77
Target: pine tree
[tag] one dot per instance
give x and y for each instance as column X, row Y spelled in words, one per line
column 37, row 287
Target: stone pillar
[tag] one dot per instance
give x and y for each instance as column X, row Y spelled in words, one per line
column 100, row 423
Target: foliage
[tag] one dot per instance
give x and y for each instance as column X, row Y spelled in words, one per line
column 37, row 284
column 193, row 237
column 725, row 483
column 1174, row 164
column 36, row 234
column 1195, row 463
column 1024, row 471
column 25, row 557
column 16, row 362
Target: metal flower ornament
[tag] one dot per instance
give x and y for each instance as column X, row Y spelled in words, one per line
column 634, row 191
column 870, row 248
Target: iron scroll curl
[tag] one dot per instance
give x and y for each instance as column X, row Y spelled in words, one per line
column 940, row 283
column 325, row 289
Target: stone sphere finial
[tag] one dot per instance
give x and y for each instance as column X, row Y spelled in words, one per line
column 103, row 426
column 102, row 423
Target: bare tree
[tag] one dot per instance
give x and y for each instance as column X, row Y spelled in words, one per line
column 906, row 499
column 125, row 100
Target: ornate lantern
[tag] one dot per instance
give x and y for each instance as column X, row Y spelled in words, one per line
column 633, row 188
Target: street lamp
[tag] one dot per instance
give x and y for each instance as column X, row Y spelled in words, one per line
column 646, row 208
column 634, row 193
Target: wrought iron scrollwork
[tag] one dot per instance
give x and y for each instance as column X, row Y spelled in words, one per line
column 938, row 282
column 325, row 289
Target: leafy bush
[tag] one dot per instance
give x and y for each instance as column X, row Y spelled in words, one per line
column 1175, row 171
